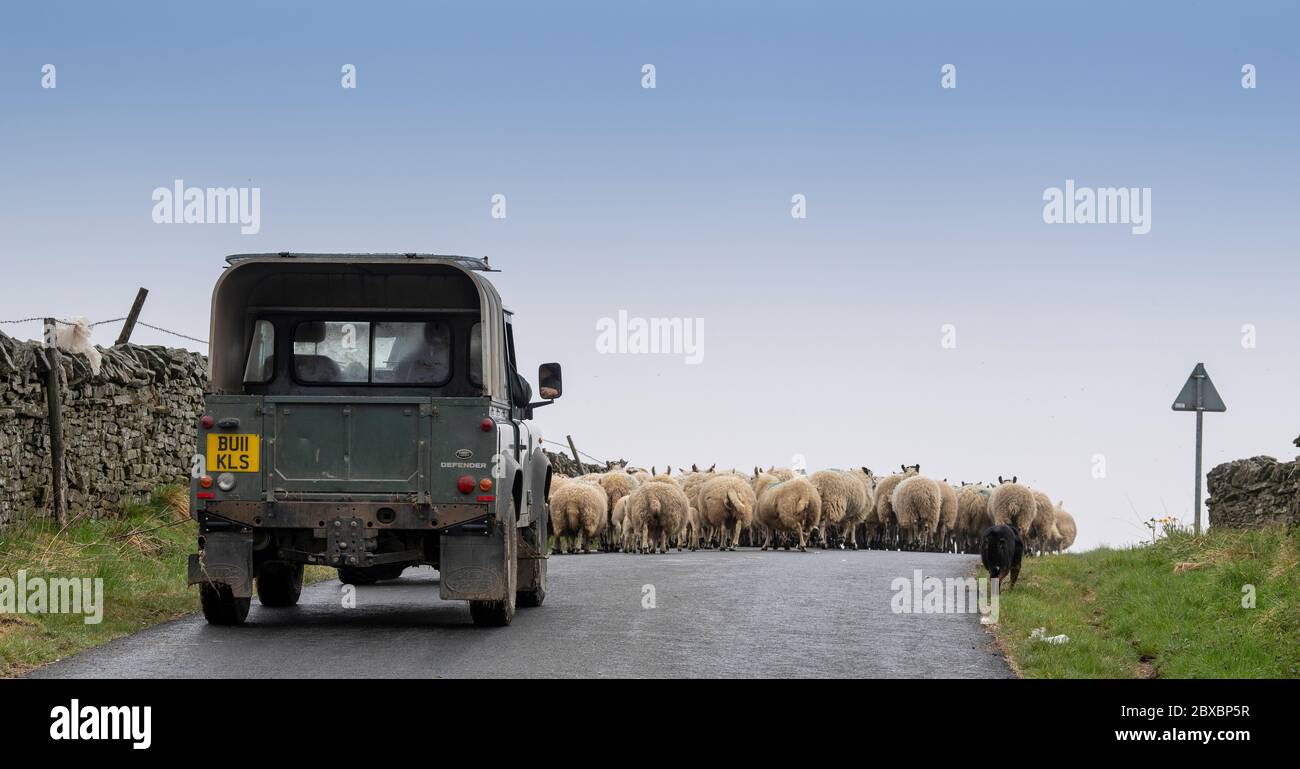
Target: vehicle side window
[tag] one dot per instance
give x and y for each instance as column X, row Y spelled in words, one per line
column 260, row 368
column 332, row 352
column 476, row 355
column 520, row 391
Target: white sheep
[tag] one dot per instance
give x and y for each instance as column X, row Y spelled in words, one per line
column 790, row 507
column 617, row 484
column 727, row 505
column 691, row 483
column 947, row 515
column 73, row 335
column 658, row 508
column 781, row 473
column 1013, row 505
column 689, row 534
column 886, row 518
column 917, row 503
column 838, row 493
column 558, row 480
column 973, row 514
column 619, row 524
column 577, row 510
column 1044, row 521
column 1066, row 528
column 862, row 504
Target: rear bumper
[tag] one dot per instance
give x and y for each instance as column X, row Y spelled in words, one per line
column 476, row 560
column 319, row 515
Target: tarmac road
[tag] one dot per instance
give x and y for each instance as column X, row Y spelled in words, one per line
column 825, row 613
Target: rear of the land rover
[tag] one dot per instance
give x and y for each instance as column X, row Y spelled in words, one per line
column 354, row 426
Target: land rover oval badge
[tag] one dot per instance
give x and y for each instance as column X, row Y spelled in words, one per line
column 464, row 453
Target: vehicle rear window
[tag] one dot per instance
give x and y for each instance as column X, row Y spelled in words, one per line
column 382, row 352
column 412, row 353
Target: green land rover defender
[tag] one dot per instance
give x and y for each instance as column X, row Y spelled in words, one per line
column 365, row 412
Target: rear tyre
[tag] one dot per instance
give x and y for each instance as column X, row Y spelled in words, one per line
column 221, row 607
column 531, row 599
column 279, row 584
column 492, row 613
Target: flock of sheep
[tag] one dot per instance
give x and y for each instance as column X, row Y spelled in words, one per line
column 636, row 511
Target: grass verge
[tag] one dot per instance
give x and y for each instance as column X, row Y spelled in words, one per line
column 141, row 556
column 1173, row 609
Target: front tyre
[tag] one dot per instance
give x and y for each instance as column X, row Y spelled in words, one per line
column 492, row 613
column 221, row 607
column 279, row 584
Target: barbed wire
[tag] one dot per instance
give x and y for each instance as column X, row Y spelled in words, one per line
column 583, row 453
column 173, row 333
column 62, row 322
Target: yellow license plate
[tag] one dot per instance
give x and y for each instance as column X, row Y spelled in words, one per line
column 233, row 453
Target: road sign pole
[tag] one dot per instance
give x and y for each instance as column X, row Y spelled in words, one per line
column 1199, row 419
column 1200, row 413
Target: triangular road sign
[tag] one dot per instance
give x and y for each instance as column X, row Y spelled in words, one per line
column 1199, row 393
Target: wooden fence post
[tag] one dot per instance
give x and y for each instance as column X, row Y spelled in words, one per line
column 54, row 406
column 129, row 326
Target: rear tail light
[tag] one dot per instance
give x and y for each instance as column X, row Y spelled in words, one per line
column 207, row 421
column 486, row 425
column 465, row 484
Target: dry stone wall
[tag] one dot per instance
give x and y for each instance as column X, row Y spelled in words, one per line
column 1254, row 493
column 127, row 429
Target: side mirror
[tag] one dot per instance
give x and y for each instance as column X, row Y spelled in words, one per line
column 550, row 384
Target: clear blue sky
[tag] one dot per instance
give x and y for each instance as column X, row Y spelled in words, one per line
column 822, row 336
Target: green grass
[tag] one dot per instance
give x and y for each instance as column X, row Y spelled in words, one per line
column 1129, row 614
column 141, row 556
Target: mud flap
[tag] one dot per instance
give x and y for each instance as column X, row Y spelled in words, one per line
column 226, row 559
column 533, row 533
column 532, row 555
column 476, row 567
